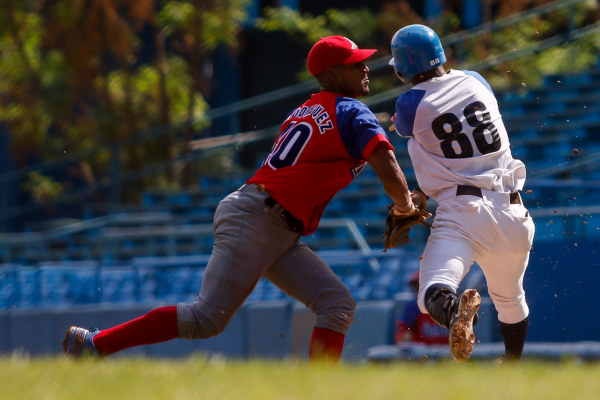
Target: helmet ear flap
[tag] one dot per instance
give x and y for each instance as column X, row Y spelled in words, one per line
column 398, row 73
column 402, row 78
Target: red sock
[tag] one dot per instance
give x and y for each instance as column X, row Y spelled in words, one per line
column 325, row 345
column 158, row 325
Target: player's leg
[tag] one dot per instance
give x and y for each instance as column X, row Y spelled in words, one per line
column 226, row 284
column 504, row 278
column 446, row 260
column 504, row 268
column 304, row 276
column 514, row 336
column 247, row 240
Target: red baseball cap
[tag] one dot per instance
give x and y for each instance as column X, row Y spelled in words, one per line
column 335, row 50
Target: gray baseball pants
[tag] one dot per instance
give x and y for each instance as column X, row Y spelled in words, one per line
column 253, row 241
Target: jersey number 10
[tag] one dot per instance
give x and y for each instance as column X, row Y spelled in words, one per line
column 290, row 145
column 456, row 135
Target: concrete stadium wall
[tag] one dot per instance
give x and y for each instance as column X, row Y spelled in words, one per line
column 259, row 330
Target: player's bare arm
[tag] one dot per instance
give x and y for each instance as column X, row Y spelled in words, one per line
column 384, row 163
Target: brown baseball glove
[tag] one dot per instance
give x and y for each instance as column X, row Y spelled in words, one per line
column 398, row 227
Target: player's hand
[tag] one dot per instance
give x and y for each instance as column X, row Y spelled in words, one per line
column 420, row 201
column 407, row 210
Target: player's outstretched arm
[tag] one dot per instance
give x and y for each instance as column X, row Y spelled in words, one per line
column 384, row 163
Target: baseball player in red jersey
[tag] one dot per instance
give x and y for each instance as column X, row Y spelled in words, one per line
column 461, row 154
column 322, row 146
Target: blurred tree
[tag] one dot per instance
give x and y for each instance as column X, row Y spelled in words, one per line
column 94, row 39
column 358, row 24
column 24, row 73
column 89, row 77
column 376, row 29
column 529, row 69
column 195, row 29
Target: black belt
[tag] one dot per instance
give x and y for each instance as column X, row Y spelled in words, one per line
column 294, row 224
column 462, row 190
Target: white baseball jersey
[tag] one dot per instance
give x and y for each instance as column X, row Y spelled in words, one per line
column 457, row 135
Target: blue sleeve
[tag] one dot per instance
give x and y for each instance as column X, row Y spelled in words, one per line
column 480, row 78
column 411, row 313
column 406, row 109
column 357, row 125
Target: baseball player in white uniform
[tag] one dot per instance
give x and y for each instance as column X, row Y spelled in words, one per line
column 461, row 154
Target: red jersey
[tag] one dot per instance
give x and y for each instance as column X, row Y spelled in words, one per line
column 322, row 146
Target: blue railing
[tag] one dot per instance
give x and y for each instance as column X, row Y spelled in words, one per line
column 146, row 280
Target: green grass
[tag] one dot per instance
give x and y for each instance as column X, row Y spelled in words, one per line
column 198, row 378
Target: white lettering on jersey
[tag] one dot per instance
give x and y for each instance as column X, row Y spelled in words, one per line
column 318, row 114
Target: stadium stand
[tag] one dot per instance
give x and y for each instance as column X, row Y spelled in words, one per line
column 553, row 127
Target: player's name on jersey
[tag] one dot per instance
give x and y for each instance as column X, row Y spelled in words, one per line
column 318, row 114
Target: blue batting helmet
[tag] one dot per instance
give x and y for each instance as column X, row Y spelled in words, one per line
column 416, row 49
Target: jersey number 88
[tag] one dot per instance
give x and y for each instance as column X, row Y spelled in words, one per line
column 456, row 135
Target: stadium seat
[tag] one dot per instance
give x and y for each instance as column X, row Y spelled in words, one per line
column 54, row 286
column 353, row 281
column 118, row 285
column 83, row 285
column 9, row 286
column 150, row 284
